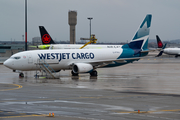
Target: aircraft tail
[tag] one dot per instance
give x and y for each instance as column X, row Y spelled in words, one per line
column 160, row 45
column 141, row 37
column 159, row 42
column 45, row 37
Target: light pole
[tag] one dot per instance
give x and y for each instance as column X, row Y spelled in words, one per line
column 90, row 18
column 25, row 25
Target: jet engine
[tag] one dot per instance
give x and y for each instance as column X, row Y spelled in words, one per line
column 82, row 68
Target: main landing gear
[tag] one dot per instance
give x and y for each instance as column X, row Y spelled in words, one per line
column 93, row 73
column 74, row 74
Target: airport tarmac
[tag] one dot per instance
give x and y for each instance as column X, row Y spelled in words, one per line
column 150, row 85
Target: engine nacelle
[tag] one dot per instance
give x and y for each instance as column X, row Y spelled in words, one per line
column 82, row 68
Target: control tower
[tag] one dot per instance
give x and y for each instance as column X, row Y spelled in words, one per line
column 72, row 23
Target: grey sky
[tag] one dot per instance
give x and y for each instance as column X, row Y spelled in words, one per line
column 113, row 20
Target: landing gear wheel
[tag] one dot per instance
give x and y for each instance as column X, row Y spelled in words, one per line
column 94, row 73
column 21, row 75
column 74, row 74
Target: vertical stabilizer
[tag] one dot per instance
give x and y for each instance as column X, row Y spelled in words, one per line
column 159, row 42
column 140, row 39
column 45, row 37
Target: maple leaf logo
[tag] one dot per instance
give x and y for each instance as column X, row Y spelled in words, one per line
column 46, row 39
column 160, row 45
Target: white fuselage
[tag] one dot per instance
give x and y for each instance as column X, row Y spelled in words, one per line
column 172, row 51
column 62, row 59
column 77, row 46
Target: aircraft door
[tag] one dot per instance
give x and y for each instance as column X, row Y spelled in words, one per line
column 30, row 59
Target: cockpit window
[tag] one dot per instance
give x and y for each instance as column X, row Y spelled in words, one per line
column 15, row 58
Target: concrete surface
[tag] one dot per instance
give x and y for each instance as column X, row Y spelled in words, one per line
column 150, row 85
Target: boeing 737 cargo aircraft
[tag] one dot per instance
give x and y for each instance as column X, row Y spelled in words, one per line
column 48, row 42
column 85, row 60
column 169, row 51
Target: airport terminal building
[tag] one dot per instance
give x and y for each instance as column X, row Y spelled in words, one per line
column 8, row 48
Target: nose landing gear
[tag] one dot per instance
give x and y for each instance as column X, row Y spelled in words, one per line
column 21, row 74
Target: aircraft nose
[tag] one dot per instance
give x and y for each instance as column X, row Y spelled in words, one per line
column 7, row 63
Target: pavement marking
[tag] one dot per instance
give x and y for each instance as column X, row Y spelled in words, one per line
column 70, row 98
column 24, row 116
column 100, row 97
column 18, row 87
column 152, row 59
column 174, row 110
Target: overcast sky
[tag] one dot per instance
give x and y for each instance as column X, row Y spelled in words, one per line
column 113, row 20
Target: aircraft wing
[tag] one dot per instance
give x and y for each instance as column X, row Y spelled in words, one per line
column 151, row 50
column 101, row 63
